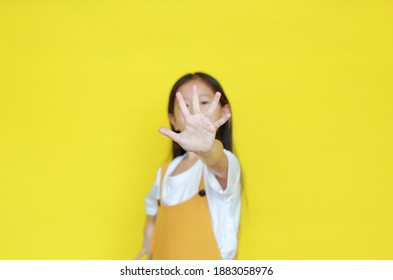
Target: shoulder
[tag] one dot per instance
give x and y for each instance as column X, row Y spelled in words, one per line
column 231, row 154
column 233, row 161
column 168, row 166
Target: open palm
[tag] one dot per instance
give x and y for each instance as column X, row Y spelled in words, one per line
column 200, row 129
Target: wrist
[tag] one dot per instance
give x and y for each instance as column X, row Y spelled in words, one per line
column 211, row 156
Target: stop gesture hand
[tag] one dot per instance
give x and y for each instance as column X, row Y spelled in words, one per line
column 200, row 128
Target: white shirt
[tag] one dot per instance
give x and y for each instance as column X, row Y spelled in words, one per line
column 224, row 205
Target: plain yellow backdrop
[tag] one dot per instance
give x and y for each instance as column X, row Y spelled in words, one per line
column 84, row 88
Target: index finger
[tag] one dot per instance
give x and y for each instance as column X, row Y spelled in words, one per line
column 214, row 104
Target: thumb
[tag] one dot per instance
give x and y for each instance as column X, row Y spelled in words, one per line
column 167, row 132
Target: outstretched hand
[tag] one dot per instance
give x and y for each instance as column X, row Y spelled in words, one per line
column 200, row 129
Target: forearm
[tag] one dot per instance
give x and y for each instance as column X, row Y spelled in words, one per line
column 150, row 219
column 147, row 233
column 216, row 161
column 149, row 228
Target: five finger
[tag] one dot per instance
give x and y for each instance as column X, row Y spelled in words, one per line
column 221, row 121
column 214, row 104
column 167, row 132
column 195, row 100
column 182, row 104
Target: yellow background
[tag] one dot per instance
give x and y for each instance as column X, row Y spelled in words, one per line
column 84, row 88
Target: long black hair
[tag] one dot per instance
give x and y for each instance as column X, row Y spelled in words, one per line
column 224, row 132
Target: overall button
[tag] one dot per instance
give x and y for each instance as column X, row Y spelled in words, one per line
column 202, row 193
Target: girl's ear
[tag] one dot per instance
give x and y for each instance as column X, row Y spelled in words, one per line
column 225, row 109
column 173, row 121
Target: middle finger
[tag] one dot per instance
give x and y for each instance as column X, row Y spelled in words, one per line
column 195, row 100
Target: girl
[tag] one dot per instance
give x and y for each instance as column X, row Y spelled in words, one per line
column 193, row 208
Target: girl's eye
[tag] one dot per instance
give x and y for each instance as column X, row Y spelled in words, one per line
column 203, row 103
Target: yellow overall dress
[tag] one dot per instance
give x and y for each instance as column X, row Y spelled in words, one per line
column 184, row 231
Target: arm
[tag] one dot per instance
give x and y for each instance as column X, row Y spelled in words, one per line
column 217, row 162
column 147, row 234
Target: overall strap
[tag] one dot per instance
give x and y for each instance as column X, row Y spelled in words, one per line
column 163, row 170
column 202, row 183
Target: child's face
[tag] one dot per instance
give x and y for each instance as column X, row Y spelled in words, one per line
column 205, row 95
